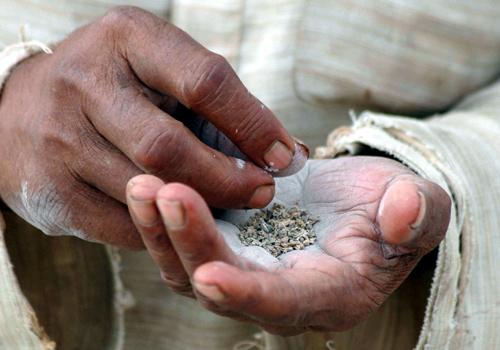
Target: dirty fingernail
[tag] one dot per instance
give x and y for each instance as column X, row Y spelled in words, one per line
column 173, row 213
column 144, row 212
column 262, row 196
column 140, row 204
column 299, row 159
column 212, row 292
column 278, row 156
column 421, row 213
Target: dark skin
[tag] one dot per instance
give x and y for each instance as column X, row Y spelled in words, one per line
column 78, row 125
column 98, row 111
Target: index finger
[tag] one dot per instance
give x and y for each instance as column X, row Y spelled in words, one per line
column 191, row 227
column 141, row 193
column 168, row 60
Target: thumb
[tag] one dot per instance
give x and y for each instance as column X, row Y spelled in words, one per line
column 414, row 213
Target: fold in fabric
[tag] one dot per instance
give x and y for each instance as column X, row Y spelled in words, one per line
column 459, row 151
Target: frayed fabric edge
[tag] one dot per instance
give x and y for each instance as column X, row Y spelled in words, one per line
column 386, row 133
column 14, row 54
column 24, row 328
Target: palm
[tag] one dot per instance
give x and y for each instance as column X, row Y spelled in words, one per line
column 345, row 194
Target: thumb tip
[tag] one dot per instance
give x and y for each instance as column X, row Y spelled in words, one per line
column 300, row 157
column 401, row 212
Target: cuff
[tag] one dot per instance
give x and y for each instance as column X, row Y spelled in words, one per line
column 12, row 55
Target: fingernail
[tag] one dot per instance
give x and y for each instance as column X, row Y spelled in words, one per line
column 212, row 292
column 262, row 196
column 278, row 156
column 173, row 213
column 144, row 212
column 421, row 213
column 299, row 159
column 302, row 144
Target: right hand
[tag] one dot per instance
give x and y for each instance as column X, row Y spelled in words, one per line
column 377, row 220
column 76, row 125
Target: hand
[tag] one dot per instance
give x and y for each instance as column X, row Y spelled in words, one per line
column 378, row 219
column 76, row 125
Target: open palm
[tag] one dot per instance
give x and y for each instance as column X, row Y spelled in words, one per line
column 377, row 219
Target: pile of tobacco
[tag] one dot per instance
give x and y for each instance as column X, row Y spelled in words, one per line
column 279, row 230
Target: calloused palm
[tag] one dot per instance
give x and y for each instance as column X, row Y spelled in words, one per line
column 377, row 219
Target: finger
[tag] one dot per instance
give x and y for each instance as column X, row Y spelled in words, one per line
column 191, row 227
column 89, row 214
column 103, row 166
column 414, row 213
column 141, row 195
column 162, row 146
column 289, row 297
column 168, row 60
column 213, row 137
column 209, row 134
column 193, row 233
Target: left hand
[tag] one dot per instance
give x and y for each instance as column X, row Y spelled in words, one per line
column 107, row 105
column 378, row 219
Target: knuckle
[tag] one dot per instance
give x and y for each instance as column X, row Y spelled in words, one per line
column 67, row 76
column 74, row 82
column 158, row 151
column 63, row 143
column 209, row 80
column 252, row 124
column 121, row 17
column 92, row 145
column 54, row 141
column 78, row 75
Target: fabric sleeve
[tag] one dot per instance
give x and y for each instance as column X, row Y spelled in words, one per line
column 459, row 150
column 12, row 55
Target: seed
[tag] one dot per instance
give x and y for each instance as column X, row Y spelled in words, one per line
column 279, row 229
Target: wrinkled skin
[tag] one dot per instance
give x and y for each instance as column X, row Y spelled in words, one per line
column 76, row 125
column 377, row 220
